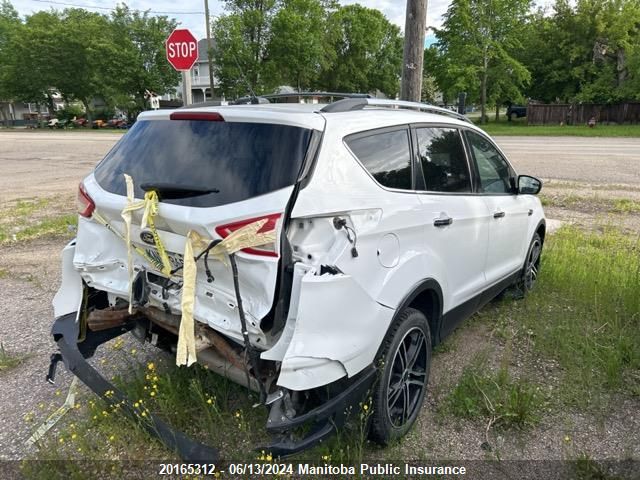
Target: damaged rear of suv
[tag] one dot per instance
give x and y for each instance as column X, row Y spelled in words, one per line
column 314, row 255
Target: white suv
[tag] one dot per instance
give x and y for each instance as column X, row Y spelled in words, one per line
column 368, row 230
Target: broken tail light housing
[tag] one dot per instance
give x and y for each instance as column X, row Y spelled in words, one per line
column 269, row 250
column 86, row 206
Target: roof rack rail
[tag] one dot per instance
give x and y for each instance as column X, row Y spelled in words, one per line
column 316, row 94
column 351, row 104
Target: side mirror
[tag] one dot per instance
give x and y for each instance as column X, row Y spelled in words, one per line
column 528, row 185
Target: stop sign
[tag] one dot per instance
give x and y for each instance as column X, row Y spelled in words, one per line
column 182, row 49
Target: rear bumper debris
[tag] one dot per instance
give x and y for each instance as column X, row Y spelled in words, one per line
column 65, row 332
column 325, row 419
column 318, row 423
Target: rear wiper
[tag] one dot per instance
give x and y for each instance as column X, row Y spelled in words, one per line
column 171, row 191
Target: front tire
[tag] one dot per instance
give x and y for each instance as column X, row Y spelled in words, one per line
column 399, row 394
column 531, row 264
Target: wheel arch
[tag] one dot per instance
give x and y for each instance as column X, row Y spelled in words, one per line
column 541, row 230
column 427, row 298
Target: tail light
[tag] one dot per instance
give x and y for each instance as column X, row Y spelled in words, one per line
column 85, row 204
column 270, row 250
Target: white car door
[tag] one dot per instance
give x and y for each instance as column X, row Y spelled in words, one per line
column 456, row 220
column 508, row 212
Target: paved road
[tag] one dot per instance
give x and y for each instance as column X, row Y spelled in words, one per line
column 593, row 160
column 54, row 162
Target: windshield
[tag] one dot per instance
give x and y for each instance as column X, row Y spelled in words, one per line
column 229, row 160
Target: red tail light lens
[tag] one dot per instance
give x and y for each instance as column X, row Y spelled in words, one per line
column 269, row 250
column 85, row 204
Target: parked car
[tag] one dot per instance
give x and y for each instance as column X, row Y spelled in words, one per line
column 517, row 111
column 99, row 123
column 80, row 122
column 364, row 234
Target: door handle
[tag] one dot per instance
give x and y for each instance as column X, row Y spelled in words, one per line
column 499, row 214
column 442, row 221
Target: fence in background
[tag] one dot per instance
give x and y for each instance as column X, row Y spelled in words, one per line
column 580, row 114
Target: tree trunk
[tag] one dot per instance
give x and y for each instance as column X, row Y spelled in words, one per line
column 483, row 95
column 621, row 66
column 50, row 106
column 87, row 109
column 497, row 112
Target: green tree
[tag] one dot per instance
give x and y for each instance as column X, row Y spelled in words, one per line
column 584, row 51
column 297, row 51
column 476, row 47
column 240, row 48
column 368, row 51
column 30, row 72
column 10, row 26
column 138, row 45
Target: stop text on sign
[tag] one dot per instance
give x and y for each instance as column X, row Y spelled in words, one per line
column 182, row 49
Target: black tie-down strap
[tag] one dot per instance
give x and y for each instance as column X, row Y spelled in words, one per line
column 65, row 333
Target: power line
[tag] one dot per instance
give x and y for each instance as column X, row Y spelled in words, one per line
column 113, row 8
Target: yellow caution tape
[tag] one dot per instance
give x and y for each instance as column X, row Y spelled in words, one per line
column 150, row 206
column 246, row 237
column 186, row 353
column 55, row 417
column 101, row 220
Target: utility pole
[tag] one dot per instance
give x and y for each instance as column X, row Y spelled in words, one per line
column 413, row 58
column 209, row 49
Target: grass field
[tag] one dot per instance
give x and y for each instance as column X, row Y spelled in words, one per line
column 28, row 219
column 583, row 316
column 519, row 127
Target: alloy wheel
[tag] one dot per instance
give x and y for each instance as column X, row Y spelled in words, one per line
column 533, row 264
column 408, row 377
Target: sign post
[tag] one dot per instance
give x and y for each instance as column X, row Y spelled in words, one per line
column 182, row 53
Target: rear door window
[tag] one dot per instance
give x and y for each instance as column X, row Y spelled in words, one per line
column 443, row 160
column 386, row 156
column 240, row 160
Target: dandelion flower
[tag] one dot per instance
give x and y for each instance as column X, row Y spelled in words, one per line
column 73, row 436
column 209, row 401
column 151, row 366
column 153, row 394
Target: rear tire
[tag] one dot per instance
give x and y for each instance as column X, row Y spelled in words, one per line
column 405, row 359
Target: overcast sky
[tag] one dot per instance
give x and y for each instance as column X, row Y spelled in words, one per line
column 190, row 13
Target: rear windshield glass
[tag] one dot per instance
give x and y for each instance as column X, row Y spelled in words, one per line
column 240, row 160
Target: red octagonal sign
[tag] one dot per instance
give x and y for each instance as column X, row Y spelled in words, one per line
column 182, row 49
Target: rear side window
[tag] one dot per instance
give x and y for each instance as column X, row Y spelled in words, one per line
column 241, row 160
column 443, row 160
column 386, row 156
